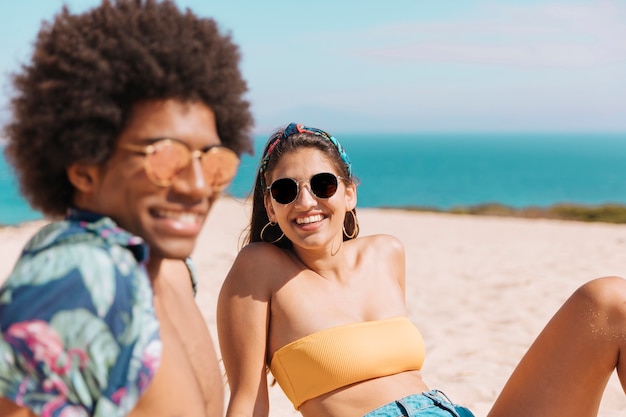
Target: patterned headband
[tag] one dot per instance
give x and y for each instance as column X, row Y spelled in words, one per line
column 294, row 128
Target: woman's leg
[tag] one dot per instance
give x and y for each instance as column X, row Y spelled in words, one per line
column 565, row 371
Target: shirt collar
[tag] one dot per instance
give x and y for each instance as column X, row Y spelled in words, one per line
column 109, row 231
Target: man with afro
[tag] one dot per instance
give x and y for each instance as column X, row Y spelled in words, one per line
column 127, row 123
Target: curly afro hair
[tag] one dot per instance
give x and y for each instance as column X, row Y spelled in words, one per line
column 72, row 100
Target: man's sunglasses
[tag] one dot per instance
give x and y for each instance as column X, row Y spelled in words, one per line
column 286, row 190
column 166, row 158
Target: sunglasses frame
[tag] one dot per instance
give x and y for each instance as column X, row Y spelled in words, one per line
column 297, row 182
column 150, row 149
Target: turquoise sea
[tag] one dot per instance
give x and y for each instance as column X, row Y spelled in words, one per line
column 447, row 170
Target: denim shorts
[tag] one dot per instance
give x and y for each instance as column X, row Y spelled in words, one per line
column 427, row 404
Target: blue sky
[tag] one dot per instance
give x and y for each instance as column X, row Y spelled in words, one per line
column 406, row 65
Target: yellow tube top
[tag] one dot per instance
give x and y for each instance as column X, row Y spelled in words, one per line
column 342, row 355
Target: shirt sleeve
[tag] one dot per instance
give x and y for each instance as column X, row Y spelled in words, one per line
column 78, row 332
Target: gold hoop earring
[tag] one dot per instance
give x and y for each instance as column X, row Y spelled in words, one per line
column 355, row 230
column 271, row 224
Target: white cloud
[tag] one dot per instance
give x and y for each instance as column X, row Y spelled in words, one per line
column 529, row 54
column 563, row 35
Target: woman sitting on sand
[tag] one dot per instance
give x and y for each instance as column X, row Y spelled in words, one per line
column 326, row 311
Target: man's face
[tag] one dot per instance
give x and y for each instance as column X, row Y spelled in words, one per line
column 169, row 218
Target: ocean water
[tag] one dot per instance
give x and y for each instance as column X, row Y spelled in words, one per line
column 447, row 170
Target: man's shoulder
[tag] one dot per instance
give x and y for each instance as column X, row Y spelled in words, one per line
column 99, row 232
column 63, row 246
column 66, row 256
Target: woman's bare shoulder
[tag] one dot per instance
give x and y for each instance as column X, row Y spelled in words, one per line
column 258, row 264
column 261, row 253
column 382, row 242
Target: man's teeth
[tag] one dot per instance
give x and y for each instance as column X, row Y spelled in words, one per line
column 184, row 217
column 310, row 219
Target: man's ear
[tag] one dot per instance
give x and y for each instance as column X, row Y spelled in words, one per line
column 83, row 176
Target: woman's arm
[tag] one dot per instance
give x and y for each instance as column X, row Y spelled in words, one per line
column 242, row 323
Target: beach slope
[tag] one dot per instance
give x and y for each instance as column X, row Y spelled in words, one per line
column 479, row 288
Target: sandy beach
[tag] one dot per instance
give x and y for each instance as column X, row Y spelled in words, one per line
column 479, row 288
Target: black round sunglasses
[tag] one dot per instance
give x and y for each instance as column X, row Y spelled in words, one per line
column 322, row 185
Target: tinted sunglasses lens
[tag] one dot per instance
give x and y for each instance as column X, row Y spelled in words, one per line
column 324, row 185
column 166, row 160
column 219, row 165
column 284, row 190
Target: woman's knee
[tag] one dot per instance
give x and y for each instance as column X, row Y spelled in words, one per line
column 605, row 297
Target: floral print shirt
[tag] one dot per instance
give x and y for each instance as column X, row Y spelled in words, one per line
column 78, row 331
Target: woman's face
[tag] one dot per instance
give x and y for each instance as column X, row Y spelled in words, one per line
column 310, row 221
